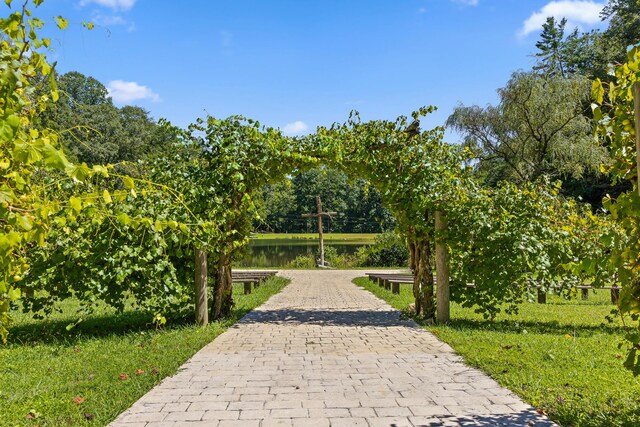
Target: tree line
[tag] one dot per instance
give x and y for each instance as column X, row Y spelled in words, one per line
column 358, row 204
column 94, row 131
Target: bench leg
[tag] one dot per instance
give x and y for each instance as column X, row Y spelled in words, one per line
column 542, row 297
column 387, row 285
column 380, row 282
column 247, row 288
column 585, row 294
column 615, row 295
column 395, row 288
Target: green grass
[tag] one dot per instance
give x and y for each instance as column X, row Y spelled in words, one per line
column 561, row 357
column 44, row 366
column 356, row 238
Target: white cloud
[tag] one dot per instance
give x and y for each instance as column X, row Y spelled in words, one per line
column 108, row 21
column 123, row 92
column 295, row 128
column 467, row 2
column 577, row 12
column 113, row 4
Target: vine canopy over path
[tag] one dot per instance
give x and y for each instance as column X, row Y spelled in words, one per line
column 139, row 231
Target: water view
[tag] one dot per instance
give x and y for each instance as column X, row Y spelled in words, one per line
column 278, row 250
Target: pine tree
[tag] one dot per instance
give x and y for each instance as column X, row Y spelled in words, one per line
column 551, row 60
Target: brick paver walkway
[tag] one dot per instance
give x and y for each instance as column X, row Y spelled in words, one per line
column 324, row 352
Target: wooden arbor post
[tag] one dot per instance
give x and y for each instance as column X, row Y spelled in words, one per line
column 442, row 271
column 202, row 312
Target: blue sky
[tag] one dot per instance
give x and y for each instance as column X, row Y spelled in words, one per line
column 300, row 64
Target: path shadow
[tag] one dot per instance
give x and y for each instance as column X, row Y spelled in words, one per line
column 329, row 318
column 56, row 331
column 107, row 322
column 523, row 419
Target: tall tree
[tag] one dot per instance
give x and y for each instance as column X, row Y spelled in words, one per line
column 538, row 128
column 78, row 89
column 623, row 30
column 277, row 208
column 550, row 56
column 93, row 130
column 591, row 53
column 565, row 55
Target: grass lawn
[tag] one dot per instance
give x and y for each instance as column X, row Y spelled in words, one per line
column 52, row 377
column 356, row 238
column 561, row 357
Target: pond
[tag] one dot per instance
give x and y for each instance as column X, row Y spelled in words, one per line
column 273, row 251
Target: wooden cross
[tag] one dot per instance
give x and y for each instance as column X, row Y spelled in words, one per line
column 319, row 215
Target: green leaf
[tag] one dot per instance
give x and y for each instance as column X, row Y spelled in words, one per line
column 75, row 203
column 27, row 153
column 106, row 197
column 123, row 218
column 14, row 294
column 25, row 222
column 54, row 158
column 8, row 127
column 101, row 170
column 9, row 241
column 597, row 112
column 80, row 172
column 128, row 182
column 597, row 91
column 62, row 23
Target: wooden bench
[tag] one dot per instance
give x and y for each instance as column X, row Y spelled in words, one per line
column 377, row 277
column 249, row 278
column 380, row 278
column 395, row 284
column 247, row 282
column 584, row 291
column 615, row 292
column 394, row 280
column 542, row 296
column 391, row 280
column 256, row 273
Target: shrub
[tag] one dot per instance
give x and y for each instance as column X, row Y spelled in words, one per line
column 303, row 261
column 340, row 260
column 388, row 250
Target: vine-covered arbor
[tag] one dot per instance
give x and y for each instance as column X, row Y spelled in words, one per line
column 139, row 232
column 511, row 242
column 408, row 167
